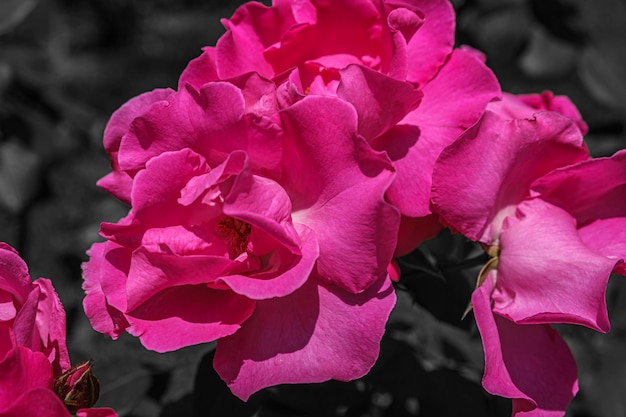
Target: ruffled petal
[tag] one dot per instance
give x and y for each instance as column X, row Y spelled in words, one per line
column 546, row 274
column 590, row 190
column 350, row 27
column 607, row 237
column 14, row 280
column 200, row 70
column 187, row 315
column 479, row 179
column 156, row 192
column 118, row 182
column 380, row 101
column 430, row 46
column 413, row 231
column 21, row 371
column 36, row 403
column 317, row 333
column 287, row 272
column 453, row 101
column 336, row 183
column 594, row 193
column 51, row 328
column 107, row 267
column 530, row 364
column 252, row 28
column 213, row 121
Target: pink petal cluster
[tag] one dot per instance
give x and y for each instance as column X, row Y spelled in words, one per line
column 32, row 343
column 315, row 141
column 266, row 192
column 393, row 61
column 522, row 184
column 269, row 233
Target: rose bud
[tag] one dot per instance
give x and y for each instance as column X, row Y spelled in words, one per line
column 78, row 387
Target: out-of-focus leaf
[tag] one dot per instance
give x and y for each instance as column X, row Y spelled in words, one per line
column 13, row 12
column 19, row 176
column 603, row 60
column 123, row 384
column 211, row 396
column 547, row 56
column 602, row 373
column 602, row 69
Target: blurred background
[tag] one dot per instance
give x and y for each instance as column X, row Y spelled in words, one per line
column 66, row 65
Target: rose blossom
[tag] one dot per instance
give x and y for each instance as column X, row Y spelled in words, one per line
column 267, row 231
column 393, row 60
column 527, row 191
column 32, row 343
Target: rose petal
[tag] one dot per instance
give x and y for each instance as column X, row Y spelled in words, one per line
column 283, row 278
column 479, row 179
column 157, row 188
column 607, row 237
column 263, row 203
column 211, row 121
column 590, row 190
column 152, row 272
column 14, row 278
column 453, row 101
column 560, row 104
column 354, row 27
column 187, row 315
column 108, row 264
column 249, row 31
column 546, row 274
column 317, row 333
column 200, row 70
column 380, row 101
column 51, row 327
column 329, row 172
column 529, row 363
column 119, row 183
column 413, row 231
column 36, row 402
column 21, row 371
column 430, row 46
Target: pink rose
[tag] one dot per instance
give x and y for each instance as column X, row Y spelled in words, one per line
column 393, row 60
column 26, row 381
column 31, row 310
column 552, row 221
column 269, row 233
column 32, row 344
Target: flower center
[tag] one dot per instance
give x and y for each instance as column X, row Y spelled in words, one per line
column 235, row 233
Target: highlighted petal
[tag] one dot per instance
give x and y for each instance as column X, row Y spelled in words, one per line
column 187, row 315
column 453, row 101
column 546, row 274
column 315, row 334
column 337, row 183
column 479, row 179
column 530, row 364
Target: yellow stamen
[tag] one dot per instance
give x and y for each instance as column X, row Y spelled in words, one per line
column 235, row 232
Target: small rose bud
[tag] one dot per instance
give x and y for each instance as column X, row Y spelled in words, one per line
column 78, row 388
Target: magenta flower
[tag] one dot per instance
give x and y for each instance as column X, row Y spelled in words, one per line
column 269, row 233
column 392, row 60
column 32, row 343
column 31, row 310
column 528, row 192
